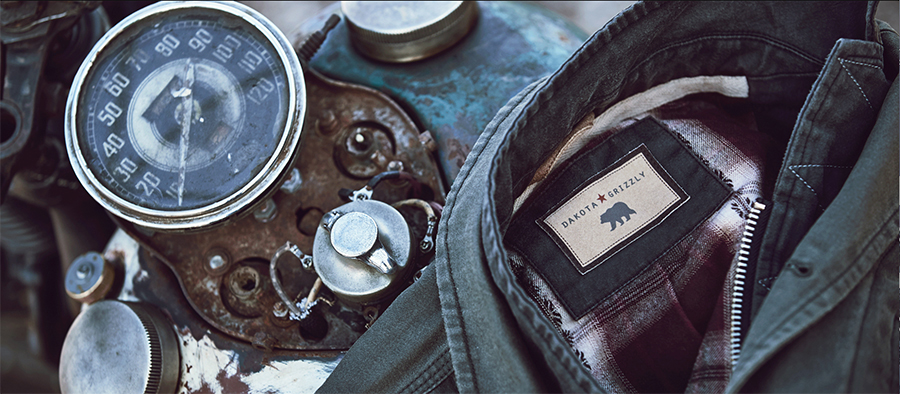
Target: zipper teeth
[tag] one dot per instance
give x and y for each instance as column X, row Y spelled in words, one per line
column 740, row 274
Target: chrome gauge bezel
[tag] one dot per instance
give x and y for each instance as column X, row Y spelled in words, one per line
column 228, row 207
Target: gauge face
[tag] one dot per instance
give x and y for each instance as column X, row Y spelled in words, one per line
column 185, row 114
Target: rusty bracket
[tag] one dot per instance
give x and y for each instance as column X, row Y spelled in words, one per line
column 27, row 30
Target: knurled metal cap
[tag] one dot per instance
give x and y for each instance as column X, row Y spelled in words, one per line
column 405, row 31
column 89, row 278
column 119, row 347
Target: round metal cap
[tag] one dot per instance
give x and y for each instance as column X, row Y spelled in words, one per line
column 404, row 31
column 118, row 347
column 356, row 281
column 89, row 278
column 354, row 234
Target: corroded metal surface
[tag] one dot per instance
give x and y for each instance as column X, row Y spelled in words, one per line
column 351, row 133
column 212, row 362
column 457, row 92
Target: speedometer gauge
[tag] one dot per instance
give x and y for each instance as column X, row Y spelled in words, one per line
column 186, row 114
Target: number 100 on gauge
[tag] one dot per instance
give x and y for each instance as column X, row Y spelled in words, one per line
column 185, row 114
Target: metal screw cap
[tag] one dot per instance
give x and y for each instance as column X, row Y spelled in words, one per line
column 89, row 278
column 405, row 31
column 118, row 347
column 354, row 234
column 386, row 246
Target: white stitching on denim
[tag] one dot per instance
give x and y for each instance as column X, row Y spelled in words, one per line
column 819, row 165
column 854, row 80
column 808, row 186
column 818, row 202
column 767, row 282
column 860, row 63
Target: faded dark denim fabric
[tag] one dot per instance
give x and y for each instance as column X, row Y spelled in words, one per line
column 824, row 308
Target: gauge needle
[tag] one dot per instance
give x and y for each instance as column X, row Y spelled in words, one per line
column 187, row 95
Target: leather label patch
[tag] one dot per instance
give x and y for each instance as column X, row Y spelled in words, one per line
column 613, row 208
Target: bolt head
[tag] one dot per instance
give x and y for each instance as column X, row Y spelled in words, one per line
column 279, row 309
column 266, row 212
column 395, row 165
column 216, row 262
column 293, row 183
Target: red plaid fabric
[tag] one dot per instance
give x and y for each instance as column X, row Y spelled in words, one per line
column 667, row 329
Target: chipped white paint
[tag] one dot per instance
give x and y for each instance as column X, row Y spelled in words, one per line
column 124, row 247
column 211, row 286
column 295, row 376
column 203, row 364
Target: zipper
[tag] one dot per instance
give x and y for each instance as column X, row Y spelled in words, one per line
column 755, row 220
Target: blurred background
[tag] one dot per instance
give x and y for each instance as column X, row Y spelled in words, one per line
column 21, row 371
column 588, row 15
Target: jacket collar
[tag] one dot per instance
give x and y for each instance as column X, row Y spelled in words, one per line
column 780, row 47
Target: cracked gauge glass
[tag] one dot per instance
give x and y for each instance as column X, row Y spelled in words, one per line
column 186, row 114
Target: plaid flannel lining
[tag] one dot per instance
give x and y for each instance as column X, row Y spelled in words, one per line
column 668, row 328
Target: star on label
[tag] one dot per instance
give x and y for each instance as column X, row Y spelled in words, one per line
column 601, row 197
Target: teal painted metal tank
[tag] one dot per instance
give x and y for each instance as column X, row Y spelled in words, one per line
column 455, row 93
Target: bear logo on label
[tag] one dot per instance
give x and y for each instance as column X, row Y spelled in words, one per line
column 615, row 214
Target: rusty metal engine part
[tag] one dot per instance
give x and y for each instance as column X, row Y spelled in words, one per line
column 399, row 32
column 362, row 251
column 120, row 347
column 427, row 243
column 224, row 272
column 455, row 93
column 416, row 188
column 298, row 310
column 211, row 360
column 41, row 40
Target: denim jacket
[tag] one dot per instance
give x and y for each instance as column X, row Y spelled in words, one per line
column 822, row 306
